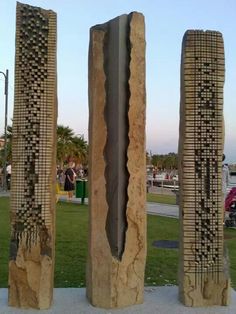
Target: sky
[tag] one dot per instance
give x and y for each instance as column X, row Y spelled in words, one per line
column 166, row 22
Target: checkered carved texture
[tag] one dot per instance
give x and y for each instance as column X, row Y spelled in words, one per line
column 34, row 122
column 200, row 154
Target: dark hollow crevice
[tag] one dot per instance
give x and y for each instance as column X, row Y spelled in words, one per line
column 116, row 67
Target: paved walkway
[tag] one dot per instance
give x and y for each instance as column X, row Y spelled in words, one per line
column 163, row 210
column 3, row 193
column 157, row 300
column 152, row 208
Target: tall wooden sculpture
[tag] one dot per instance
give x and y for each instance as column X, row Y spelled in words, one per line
column 204, row 278
column 117, row 235
column 31, row 267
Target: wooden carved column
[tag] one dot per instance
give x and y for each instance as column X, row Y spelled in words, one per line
column 117, row 233
column 31, row 266
column 204, row 278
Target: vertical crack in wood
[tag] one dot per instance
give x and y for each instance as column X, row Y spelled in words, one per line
column 116, row 69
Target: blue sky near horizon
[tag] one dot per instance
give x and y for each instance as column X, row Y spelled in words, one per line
column 166, row 22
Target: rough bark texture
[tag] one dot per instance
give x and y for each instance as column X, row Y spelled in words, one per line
column 203, row 276
column 117, row 281
column 31, row 266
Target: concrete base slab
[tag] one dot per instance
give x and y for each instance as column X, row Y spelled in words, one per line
column 158, row 300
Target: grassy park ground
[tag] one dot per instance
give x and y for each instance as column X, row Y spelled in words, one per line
column 161, row 198
column 71, row 246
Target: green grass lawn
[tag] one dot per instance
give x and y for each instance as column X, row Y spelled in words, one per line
column 71, row 247
column 161, row 198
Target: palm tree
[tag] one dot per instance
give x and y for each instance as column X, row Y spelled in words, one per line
column 70, row 146
column 167, row 161
column 80, row 150
column 9, row 145
column 64, row 143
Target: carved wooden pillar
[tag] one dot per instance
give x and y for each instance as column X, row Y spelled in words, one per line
column 117, row 235
column 31, row 266
column 204, row 278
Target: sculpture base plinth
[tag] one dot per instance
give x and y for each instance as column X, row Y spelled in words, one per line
column 156, row 300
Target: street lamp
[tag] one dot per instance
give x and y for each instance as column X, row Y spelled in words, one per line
column 5, row 132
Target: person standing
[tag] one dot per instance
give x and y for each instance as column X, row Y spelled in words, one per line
column 225, row 178
column 8, row 170
column 70, row 177
column 225, row 182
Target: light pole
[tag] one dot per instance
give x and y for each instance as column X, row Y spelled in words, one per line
column 5, row 132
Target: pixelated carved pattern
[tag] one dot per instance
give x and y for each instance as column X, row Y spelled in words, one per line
column 203, row 81
column 32, row 115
